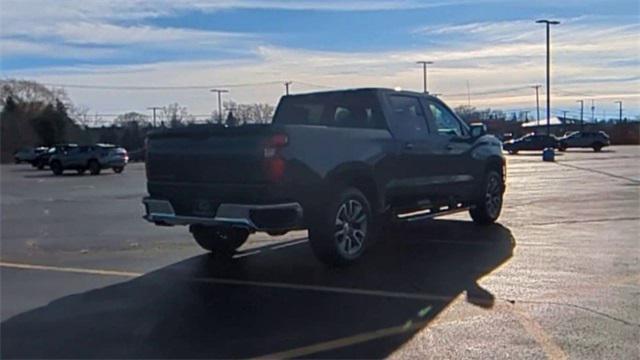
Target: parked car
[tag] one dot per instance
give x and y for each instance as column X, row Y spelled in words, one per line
column 28, row 155
column 338, row 163
column 42, row 160
column 530, row 142
column 89, row 157
column 584, row 139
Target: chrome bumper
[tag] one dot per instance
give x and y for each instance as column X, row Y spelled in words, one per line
column 161, row 212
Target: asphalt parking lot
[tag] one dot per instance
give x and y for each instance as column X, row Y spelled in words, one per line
column 83, row 276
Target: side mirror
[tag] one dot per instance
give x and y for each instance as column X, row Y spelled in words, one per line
column 478, row 129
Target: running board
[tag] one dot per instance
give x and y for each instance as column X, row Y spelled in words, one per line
column 430, row 213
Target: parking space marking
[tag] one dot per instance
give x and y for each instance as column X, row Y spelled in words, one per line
column 22, row 266
column 227, row 281
column 533, row 328
column 287, row 244
column 346, row 341
column 330, row 289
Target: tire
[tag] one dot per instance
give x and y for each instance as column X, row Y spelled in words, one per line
column 41, row 165
column 56, row 168
column 513, row 152
column 118, row 169
column 221, row 241
column 17, row 161
column 597, row 147
column 488, row 205
column 341, row 230
column 94, row 167
column 562, row 147
column 81, row 171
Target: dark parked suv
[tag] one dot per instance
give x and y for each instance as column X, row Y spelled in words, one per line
column 531, row 142
column 337, row 163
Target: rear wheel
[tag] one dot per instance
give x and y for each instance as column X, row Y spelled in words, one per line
column 118, row 169
column 56, row 168
column 562, row 147
column 81, row 171
column 41, row 164
column 341, row 231
column 488, row 205
column 597, row 147
column 94, row 167
column 219, row 240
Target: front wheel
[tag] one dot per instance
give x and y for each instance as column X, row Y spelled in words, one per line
column 597, row 147
column 56, row 168
column 118, row 169
column 94, row 167
column 341, row 230
column 488, row 206
column 219, row 240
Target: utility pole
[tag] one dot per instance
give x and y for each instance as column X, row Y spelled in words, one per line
column 286, row 87
column 548, row 24
column 154, row 108
column 424, row 74
column 564, row 115
column 220, row 92
column 537, row 87
column 593, row 110
column 581, row 114
column 620, row 111
column 468, row 94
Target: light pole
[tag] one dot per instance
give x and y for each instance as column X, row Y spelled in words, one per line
column 220, row 92
column 548, row 24
column 537, row 87
column 620, row 111
column 581, row 114
column 154, row 108
column 424, row 73
column 286, row 87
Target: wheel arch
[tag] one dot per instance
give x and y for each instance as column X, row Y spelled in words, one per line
column 359, row 176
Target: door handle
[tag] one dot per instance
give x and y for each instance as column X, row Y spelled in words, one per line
column 408, row 146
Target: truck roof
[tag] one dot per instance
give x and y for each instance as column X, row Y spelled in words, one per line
column 366, row 89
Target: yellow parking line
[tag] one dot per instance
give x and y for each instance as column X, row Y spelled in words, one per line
column 69, row 269
column 550, row 348
column 321, row 288
column 346, row 341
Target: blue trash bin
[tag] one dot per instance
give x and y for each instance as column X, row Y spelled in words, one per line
column 549, row 154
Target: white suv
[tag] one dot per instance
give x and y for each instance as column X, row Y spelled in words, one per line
column 584, row 139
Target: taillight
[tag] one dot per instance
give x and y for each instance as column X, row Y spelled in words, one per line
column 274, row 165
column 274, row 143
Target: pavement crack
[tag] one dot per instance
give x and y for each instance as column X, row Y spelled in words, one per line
column 601, row 172
column 575, row 306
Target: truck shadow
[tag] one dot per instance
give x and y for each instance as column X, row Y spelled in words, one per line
column 274, row 301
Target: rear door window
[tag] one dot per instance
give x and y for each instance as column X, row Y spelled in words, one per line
column 339, row 109
column 408, row 116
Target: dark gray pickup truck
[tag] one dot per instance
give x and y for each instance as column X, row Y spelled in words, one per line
column 338, row 163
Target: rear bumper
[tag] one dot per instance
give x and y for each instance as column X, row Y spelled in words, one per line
column 270, row 217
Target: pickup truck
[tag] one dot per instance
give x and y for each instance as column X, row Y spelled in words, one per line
column 338, row 163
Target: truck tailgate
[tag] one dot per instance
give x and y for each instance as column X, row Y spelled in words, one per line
column 208, row 154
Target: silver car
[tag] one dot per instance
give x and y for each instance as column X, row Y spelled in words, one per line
column 584, row 139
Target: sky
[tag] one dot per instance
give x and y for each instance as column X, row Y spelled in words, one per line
column 115, row 56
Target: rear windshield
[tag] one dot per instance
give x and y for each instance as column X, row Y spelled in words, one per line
column 340, row 109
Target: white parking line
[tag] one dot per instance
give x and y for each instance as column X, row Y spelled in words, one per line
column 70, row 269
column 287, row 244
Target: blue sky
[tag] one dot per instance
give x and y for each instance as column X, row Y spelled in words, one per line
column 494, row 45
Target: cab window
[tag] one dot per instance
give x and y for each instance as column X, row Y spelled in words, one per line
column 446, row 123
